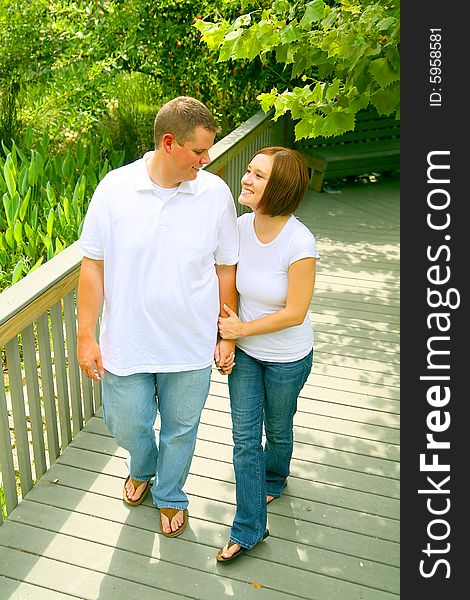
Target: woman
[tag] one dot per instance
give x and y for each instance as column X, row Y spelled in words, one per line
column 274, row 347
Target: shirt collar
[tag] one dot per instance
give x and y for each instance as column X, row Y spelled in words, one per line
column 144, row 183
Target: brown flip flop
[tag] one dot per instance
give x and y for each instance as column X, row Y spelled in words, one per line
column 141, row 498
column 170, row 514
column 222, row 559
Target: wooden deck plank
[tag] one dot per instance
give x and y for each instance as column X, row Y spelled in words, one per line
column 360, row 335
column 370, row 389
column 362, row 546
column 344, row 306
column 325, row 395
column 361, row 261
column 335, row 290
column 68, row 579
column 209, row 498
column 374, row 327
column 379, row 364
column 355, row 448
column 307, row 489
column 308, row 422
column 220, row 441
column 350, row 348
column 335, row 531
column 314, row 406
column 145, row 561
column 11, row 588
column 222, row 469
column 107, row 530
column 128, row 553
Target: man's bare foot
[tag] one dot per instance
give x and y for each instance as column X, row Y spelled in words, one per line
column 174, row 525
column 173, row 521
column 269, row 499
column 135, row 491
column 134, row 488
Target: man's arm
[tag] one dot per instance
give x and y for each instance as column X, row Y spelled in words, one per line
column 90, row 298
column 225, row 349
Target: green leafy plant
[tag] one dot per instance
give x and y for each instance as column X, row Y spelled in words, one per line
column 66, row 59
column 339, row 57
column 44, row 200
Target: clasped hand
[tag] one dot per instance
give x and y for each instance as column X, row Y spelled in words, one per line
column 225, row 349
column 230, row 327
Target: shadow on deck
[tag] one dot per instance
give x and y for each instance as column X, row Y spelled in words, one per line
column 334, row 533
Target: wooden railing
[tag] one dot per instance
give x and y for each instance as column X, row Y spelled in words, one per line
column 44, row 399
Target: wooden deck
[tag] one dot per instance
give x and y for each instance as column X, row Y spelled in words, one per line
column 334, row 533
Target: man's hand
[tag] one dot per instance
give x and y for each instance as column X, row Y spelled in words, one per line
column 89, row 358
column 224, row 356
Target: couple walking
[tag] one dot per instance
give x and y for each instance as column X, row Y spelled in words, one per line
column 180, row 282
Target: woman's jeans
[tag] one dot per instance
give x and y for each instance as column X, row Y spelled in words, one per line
column 130, row 407
column 262, row 393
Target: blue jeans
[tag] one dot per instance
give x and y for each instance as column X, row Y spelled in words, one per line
column 262, row 393
column 130, row 407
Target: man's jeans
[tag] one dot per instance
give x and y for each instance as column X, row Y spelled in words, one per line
column 262, row 392
column 130, row 407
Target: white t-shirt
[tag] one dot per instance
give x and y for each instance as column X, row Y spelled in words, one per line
column 160, row 284
column 262, row 286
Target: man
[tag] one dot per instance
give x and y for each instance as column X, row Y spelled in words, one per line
column 160, row 247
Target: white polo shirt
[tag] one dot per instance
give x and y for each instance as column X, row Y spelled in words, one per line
column 160, row 285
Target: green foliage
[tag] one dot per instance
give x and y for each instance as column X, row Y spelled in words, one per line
column 9, row 124
column 127, row 124
column 67, row 59
column 338, row 57
column 162, row 42
column 44, row 200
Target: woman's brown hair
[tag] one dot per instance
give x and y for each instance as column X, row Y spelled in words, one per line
column 287, row 183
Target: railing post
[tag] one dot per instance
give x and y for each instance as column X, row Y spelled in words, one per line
column 6, row 455
column 19, row 415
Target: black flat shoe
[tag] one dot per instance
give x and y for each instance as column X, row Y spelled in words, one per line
column 221, row 559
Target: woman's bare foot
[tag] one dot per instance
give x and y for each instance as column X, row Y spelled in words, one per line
column 230, row 549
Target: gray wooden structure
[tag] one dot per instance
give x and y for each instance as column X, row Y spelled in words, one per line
column 334, row 533
column 374, row 145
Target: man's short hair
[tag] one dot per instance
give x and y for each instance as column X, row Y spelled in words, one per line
column 180, row 117
column 287, row 183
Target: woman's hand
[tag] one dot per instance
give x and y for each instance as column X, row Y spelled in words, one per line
column 230, row 328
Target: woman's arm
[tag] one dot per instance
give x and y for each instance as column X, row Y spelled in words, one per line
column 301, row 282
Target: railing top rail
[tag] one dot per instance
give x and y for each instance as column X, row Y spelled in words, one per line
column 29, row 293
column 223, row 150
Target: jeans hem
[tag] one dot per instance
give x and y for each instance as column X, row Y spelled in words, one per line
column 176, row 506
column 241, row 544
column 142, row 479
